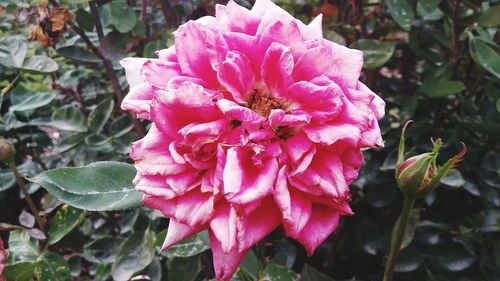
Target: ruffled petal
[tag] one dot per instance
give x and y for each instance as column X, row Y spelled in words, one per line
column 133, row 70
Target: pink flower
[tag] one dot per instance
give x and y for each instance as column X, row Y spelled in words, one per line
column 3, row 259
column 257, row 122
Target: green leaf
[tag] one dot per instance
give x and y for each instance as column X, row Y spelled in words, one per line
column 450, row 258
column 375, row 53
column 410, row 227
column 311, row 274
column 96, row 139
column 84, row 19
column 115, row 45
column 22, row 248
column 103, row 250
column 251, row 265
column 68, row 143
column 103, row 272
column 485, row 56
column 20, row 272
column 52, row 267
column 100, row 115
column 33, row 101
column 490, row 18
column 69, row 118
column 453, row 179
column 13, row 51
column 189, row 247
column 122, row 16
column 438, row 89
column 39, row 64
column 135, row 254
column 275, row 272
column 401, row 12
column 100, row 186
column 184, row 269
column 78, row 53
column 121, row 126
column 63, row 222
column 408, row 260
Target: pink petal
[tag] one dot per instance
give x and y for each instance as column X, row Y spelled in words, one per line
column 321, row 224
column 348, row 61
column 225, row 262
column 236, row 75
column 158, row 72
column 133, row 70
column 240, row 113
column 309, row 66
column 316, row 25
column 174, row 109
column 155, row 185
column 190, row 40
column 245, row 182
column 255, row 226
column 285, row 33
column 177, row 232
column 238, row 19
column 223, row 227
column 295, row 208
column 138, row 100
column 277, row 69
column 194, row 208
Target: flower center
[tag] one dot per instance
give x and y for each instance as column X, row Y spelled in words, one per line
column 263, row 103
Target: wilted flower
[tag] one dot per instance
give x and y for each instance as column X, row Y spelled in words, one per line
column 257, row 122
column 50, row 26
column 418, row 175
column 3, row 259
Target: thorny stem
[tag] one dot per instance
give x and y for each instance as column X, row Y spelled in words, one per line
column 27, row 196
column 397, row 238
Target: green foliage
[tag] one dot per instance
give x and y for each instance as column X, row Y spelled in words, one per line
column 434, row 61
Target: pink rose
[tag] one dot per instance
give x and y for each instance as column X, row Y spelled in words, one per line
column 3, row 259
column 257, row 122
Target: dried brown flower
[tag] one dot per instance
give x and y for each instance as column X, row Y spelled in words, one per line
column 49, row 28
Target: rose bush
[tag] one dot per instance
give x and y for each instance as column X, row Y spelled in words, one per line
column 257, row 121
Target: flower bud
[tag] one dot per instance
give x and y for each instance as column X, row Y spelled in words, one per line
column 418, row 175
column 7, row 151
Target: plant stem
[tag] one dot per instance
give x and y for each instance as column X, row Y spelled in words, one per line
column 397, row 238
column 10, row 85
column 27, row 196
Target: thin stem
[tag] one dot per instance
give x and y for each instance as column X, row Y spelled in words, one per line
column 10, row 85
column 27, row 196
column 398, row 238
column 261, row 248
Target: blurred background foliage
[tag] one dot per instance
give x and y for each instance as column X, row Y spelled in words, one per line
column 434, row 61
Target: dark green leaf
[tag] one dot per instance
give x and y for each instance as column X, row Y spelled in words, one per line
column 375, row 53
column 184, row 269
column 453, row 179
column 491, row 18
column 63, row 222
column 275, row 272
column 485, row 56
column 69, row 118
column 99, row 186
column 96, row 139
column 135, row 254
column 100, row 115
column 22, row 248
column 13, row 51
column 68, row 143
column 84, row 19
column 39, row 64
column 78, row 53
column 251, row 265
column 33, row 101
column 103, row 250
column 52, row 267
column 401, row 12
column 191, row 246
column 434, row 88
column 20, row 272
column 408, row 260
column 450, row 258
column 311, row 274
column 122, row 16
